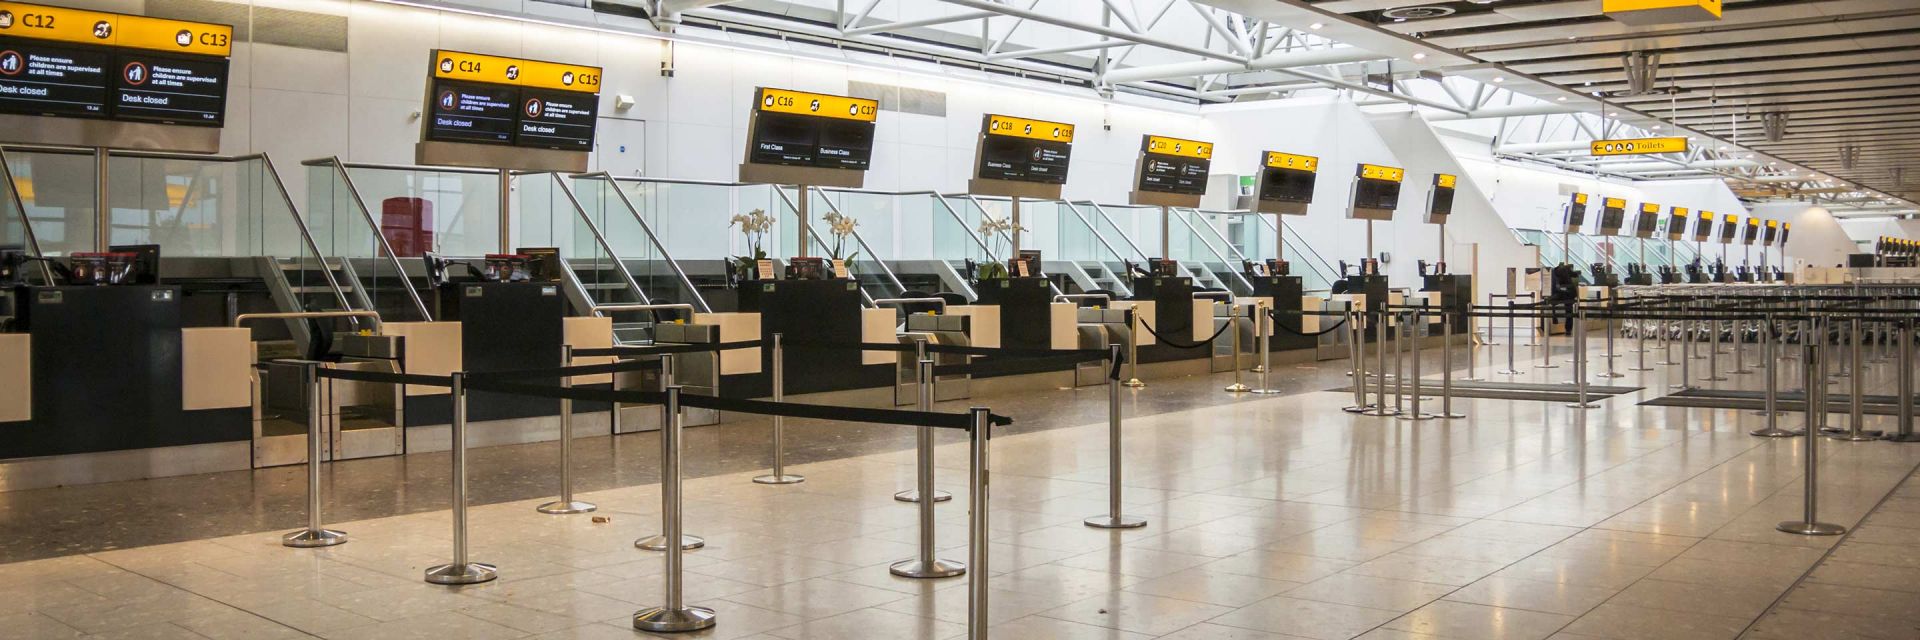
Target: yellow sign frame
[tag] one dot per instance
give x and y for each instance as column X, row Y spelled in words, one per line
column 1294, row 161
column 61, row 24
column 819, row 105
column 1446, row 180
column 1012, row 127
column 1637, row 146
column 517, row 72
column 1382, row 172
column 1169, row 146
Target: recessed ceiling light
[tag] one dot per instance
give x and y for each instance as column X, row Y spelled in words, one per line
column 1561, row 98
column 1315, row 26
column 1499, row 79
column 1419, row 56
column 1656, row 127
column 1615, row 114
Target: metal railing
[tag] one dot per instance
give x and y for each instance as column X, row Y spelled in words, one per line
column 1178, row 214
column 241, row 320
column 600, row 238
column 857, row 239
column 373, row 226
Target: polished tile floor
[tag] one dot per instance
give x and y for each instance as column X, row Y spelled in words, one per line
column 1270, row 517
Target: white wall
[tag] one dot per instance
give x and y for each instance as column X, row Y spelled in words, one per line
column 1818, row 240
column 1474, row 221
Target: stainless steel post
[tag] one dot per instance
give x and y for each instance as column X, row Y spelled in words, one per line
column 1739, row 335
column 1686, row 350
column 1580, row 359
column 1134, row 326
column 1510, row 370
column 566, row 504
column 1546, row 341
column 1713, row 349
column 1419, row 323
column 1113, row 519
column 1611, row 326
column 1810, row 524
column 779, row 475
column 1857, row 390
column 1446, row 364
column 315, row 535
column 925, row 565
column 1356, row 351
column 461, row 570
column 979, row 443
column 1380, row 407
column 675, row 615
column 1903, row 385
column 1233, row 327
column 1640, row 337
column 1264, row 325
column 668, row 448
column 1400, row 330
column 923, row 439
column 1772, row 409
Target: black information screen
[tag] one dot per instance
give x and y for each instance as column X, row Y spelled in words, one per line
column 473, row 112
column 811, row 141
column 1676, row 226
column 1727, row 229
column 1288, row 185
column 1576, row 216
column 1023, row 159
column 1370, row 193
column 1646, row 224
column 1611, row 218
column 1173, row 174
column 556, row 119
column 170, row 89
column 1703, row 228
column 1442, row 201
column 1752, row 233
column 1771, row 234
column 38, row 79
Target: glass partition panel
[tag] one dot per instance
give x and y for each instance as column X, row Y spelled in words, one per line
column 461, row 209
column 344, row 230
column 861, row 214
column 634, row 240
column 1122, row 226
column 57, row 192
column 956, row 220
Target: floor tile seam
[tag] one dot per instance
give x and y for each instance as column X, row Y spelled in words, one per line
column 196, row 594
column 1844, row 537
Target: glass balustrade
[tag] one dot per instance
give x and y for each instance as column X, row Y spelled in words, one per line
column 381, row 255
column 861, row 213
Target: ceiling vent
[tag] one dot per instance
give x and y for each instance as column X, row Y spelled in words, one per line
column 1775, row 123
column 1849, row 156
column 1416, row 13
column 1643, row 71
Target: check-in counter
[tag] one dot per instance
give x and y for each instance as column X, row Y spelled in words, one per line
column 1287, row 298
column 983, row 325
column 815, row 312
column 1456, row 296
column 16, row 377
column 1175, row 315
column 1026, row 311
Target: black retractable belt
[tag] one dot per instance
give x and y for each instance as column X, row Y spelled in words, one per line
column 659, row 349
column 387, row 377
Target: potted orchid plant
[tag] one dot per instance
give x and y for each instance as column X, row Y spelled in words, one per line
column 995, row 233
column 753, row 228
column 841, row 228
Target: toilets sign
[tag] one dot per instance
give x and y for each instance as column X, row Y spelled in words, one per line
column 1637, row 146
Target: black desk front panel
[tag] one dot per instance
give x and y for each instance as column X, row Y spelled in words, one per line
column 1026, row 311
column 107, row 375
column 1286, row 292
column 804, row 311
column 506, row 326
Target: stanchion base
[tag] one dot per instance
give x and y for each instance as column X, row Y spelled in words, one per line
column 1416, row 417
column 1667, row 363
column 1133, row 382
column 1904, row 437
column 1740, row 372
column 1714, row 379
column 1256, row 369
column 659, row 543
column 1452, row 416
column 1776, row 432
column 308, row 538
column 1811, row 528
column 1381, row 413
column 1577, row 405
column 469, row 573
column 1264, row 391
column 1639, row 368
column 1546, row 366
column 1237, row 388
column 1610, row 374
column 780, row 479
column 1358, row 409
column 1115, row 522
column 1509, row 372
column 1845, row 435
column 559, row 508
column 913, row 495
column 940, row 569
column 664, row 620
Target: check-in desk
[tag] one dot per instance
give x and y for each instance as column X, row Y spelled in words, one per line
column 937, row 329
column 106, row 384
column 1455, row 295
column 1175, row 315
column 1026, row 311
column 1286, row 297
column 816, row 311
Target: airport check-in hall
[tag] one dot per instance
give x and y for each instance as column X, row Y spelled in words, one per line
column 959, row 319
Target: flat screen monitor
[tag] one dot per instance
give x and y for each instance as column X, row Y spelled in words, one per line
column 1786, row 229
column 557, row 119
column 1613, row 215
column 1173, row 165
column 1703, row 226
column 1376, row 192
column 1751, row 232
column 1729, row 226
column 1023, row 150
column 146, row 262
column 1647, row 223
column 1772, row 233
column 1288, row 178
column 802, row 129
column 1576, row 213
column 43, row 79
column 473, row 112
column 167, row 89
column 1440, row 198
column 1677, row 223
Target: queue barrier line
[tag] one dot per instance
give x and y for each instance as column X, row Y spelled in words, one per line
column 1188, row 345
column 740, row 405
column 661, row 349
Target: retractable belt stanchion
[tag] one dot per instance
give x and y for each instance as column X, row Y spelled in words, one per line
column 1856, row 430
column 1263, row 327
column 1357, row 351
column 1580, row 359
column 1113, row 519
column 1510, row 370
column 1666, row 341
column 1640, row 337
column 1686, row 351
column 1419, row 323
column 1903, row 385
column 566, row 504
column 1380, row 407
column 669, row 446
column 1402, row 328
column 1739, row 336
column 315, row 535
column 1446, row 365
column 1233, row 327
column 779, row 475
column 1611, row 324
column 461, row 570
column 925, row 565
column 1713, row 349
column 675, row 615
column 1546, row 344
column 979, row 441
column 1772, row 408
column 923, row 439
column 1133, row 349
column 1810, row 524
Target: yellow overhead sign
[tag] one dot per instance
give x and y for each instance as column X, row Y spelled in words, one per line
column 1651, row 12
column 1580, row 198
column 1445, row 180
column 816, row 104
column 1648, row 207
column 1637, row 146
column 1773, row 224
column 477, row 67
column 41, row 22
column 1616, row 203
column 1680, row 211
column 1180, row 147
column 1730, row 218
column 1382, row 172
column 1279, row 160
column 1025, row 128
